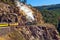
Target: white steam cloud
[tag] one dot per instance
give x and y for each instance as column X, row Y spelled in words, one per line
column 28, row 12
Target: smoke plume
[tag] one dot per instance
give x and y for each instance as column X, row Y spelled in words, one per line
column 28, row 12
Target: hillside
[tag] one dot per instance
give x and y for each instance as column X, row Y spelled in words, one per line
column 30, row 27
column 50, row 13
column 49, row 7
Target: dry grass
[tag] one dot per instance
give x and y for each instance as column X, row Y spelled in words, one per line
column 6, row 37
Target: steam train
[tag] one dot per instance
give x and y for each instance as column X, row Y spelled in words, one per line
column 11, row 19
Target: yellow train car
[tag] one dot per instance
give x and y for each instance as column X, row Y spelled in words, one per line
column 8, row 24
column 3, row 24
column 13, row 24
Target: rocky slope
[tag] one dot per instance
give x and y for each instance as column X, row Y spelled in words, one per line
column 35, row 30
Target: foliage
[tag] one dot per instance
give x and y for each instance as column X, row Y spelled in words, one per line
column 50, row 14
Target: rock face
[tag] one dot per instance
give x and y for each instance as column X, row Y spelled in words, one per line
column 35, row 30
column 32, row 33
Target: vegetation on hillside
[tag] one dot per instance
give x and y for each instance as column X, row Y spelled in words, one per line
column 50, row 14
